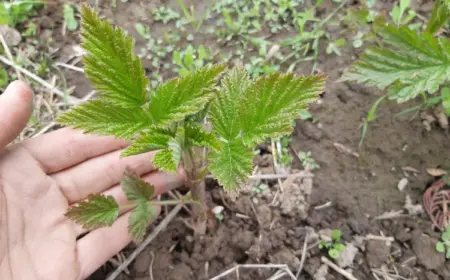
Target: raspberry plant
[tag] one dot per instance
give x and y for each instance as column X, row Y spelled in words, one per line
column 171, row 120
column 409, row 64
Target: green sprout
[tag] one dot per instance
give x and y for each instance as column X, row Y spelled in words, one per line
column 334, row 247
column 443, row 246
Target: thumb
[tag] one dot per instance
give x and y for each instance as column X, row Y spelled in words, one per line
column 16, row 105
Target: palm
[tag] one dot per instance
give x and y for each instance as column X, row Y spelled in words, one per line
column 41, row 177
column 34, row 213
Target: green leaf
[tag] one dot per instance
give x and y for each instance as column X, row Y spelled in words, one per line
column 440, row 247
column 333, row 253
column 445, row 236
column 373, row 110
column 164, row 160
column 232, row 165
column 140, row 218
column 269, row 105
column 224, row 109
column 410, row 63
column 447, row 255
column 151, row 140
column 101, row 118
column 197, row 136
column 336, row 234
column 340, row 247
column 69, row 17
column 439, row 17
column 110, row 65
column 142, row 30
column 96, row 211
column 445, row 94
column 178, row 98
column 135, row 188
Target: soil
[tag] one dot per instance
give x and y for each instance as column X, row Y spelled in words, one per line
column 359, row 187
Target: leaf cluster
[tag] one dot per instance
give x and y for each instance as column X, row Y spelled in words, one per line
column 102, row 211
column 334, row 247
column 170, row 118
column 408, row 63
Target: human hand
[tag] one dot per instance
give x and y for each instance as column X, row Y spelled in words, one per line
column 41, row 177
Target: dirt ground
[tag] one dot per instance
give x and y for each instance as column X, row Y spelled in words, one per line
column 359, row 188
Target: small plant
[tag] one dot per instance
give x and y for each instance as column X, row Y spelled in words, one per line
column 334, row 247
column 443, row 246
column 4, row 77
column 307, row 161
column 165, row 14
column 410, row 64
column 190, row 59
column 259, row 188
column 168, row 119
column 16, row 12
column 70, row 21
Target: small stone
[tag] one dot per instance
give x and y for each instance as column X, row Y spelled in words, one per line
column 425, row 249
column 265, row 215
column 243, row 239
column 347, row 256
column 12, row 36
column 431, row 276
column 312, row 265
column 377, row 252
column 285, row 256
column 321, row 273
column 402, row 184
column 189, row 238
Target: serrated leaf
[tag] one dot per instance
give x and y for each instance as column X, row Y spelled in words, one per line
column 135, row 188
column 151, row 140
column 265, row 108
column 439, row 17
column 98, row 117
column 110, row 65
column 272, row 102
column 224, row 108
column 180, row 97
column 410, row 63
column 232, row 165
column 97, row 211
column 197, row 136
column 164, row 160
column 139, row 219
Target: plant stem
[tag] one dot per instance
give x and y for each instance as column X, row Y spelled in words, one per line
column 195, row 184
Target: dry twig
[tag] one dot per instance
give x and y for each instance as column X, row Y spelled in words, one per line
column 339, row 270
column 44, row 83
column 146, row 242
column 282, row 267
column 302, row 260
column 9, row 55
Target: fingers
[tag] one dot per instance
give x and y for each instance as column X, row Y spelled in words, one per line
column 100, row 173
column 163, row 183
column 100, row 245
column 16, row 105
column 66, row 147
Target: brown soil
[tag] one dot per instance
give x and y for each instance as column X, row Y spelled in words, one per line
column 359, row 188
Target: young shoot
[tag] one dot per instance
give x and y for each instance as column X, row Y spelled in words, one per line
column 170, row 120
